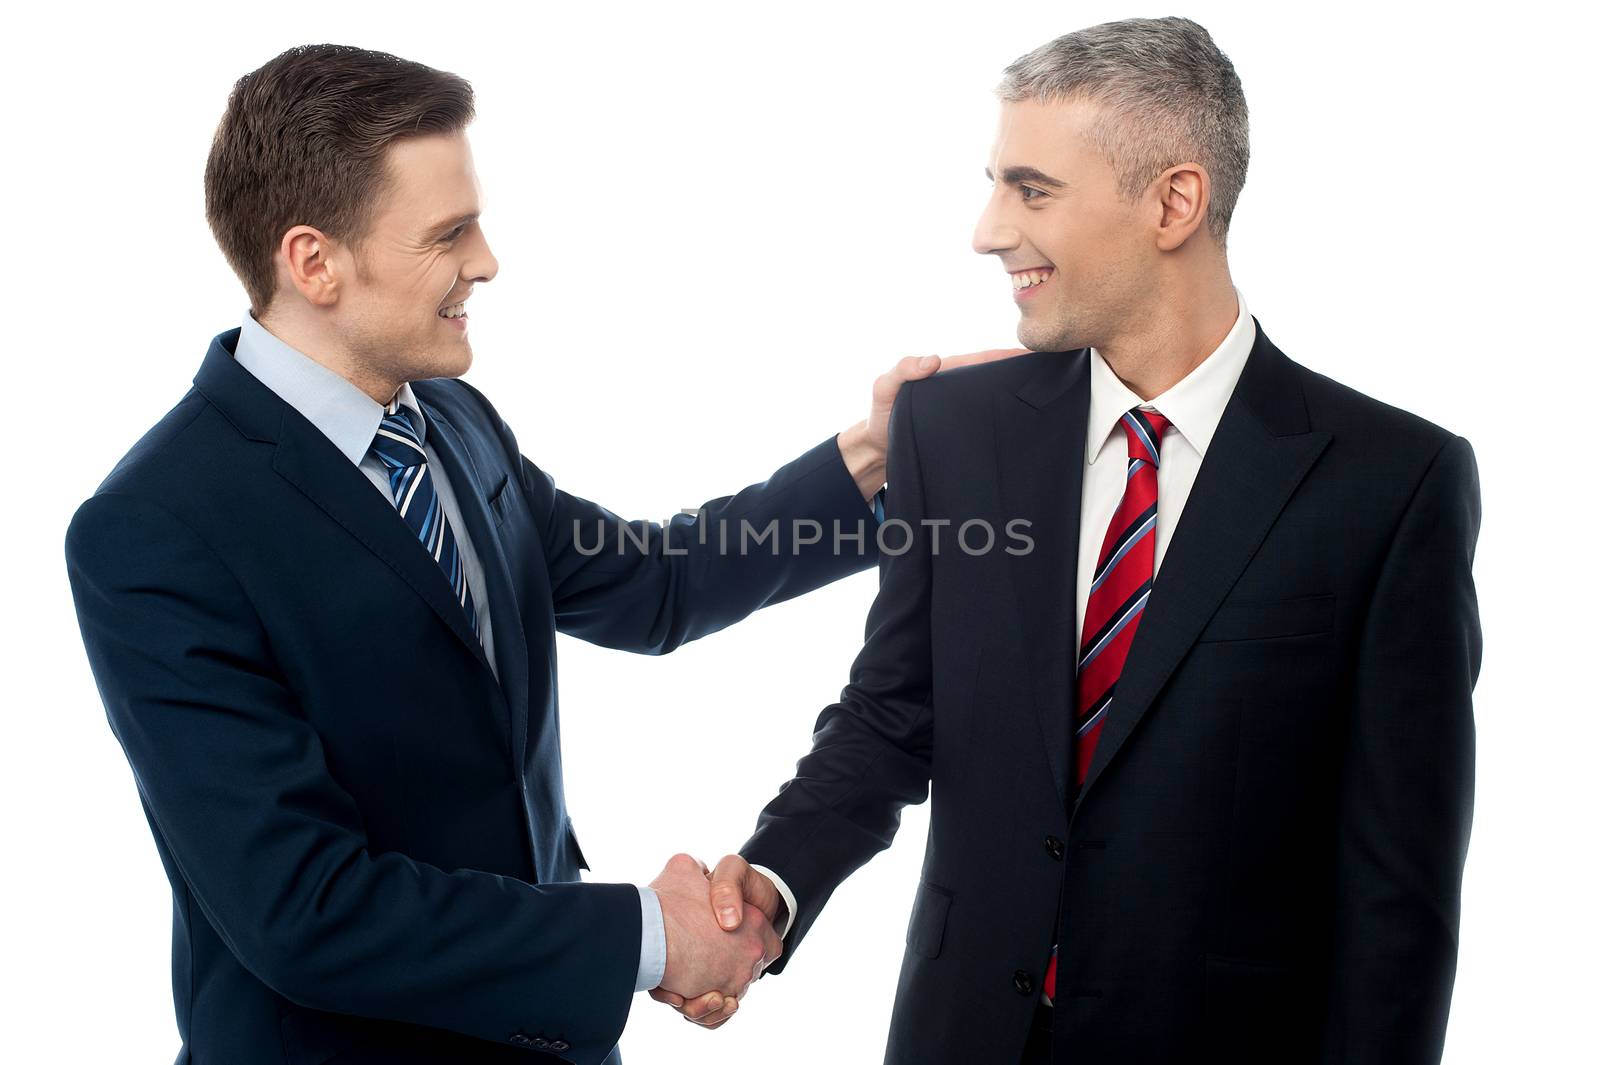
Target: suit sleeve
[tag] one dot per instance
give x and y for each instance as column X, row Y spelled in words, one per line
column 871, row 752
column 1405, row 803
column 273, row 850
column 648, row 587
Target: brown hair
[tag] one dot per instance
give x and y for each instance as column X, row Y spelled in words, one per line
column 304, row 142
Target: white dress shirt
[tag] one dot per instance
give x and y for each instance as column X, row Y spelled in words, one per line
column 1194, row 406
column 349, row 418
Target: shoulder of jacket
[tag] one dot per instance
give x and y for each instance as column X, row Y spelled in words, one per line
column 1338, row 406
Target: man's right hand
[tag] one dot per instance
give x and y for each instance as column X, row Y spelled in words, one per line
column 701, row 956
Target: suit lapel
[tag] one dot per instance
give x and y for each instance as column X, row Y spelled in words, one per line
column 309, row 461
column 510, row 642
column 1039, row 434
column 1262, row 450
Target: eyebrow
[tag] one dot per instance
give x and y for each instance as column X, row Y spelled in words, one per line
column 444, row 227
column 1017, row 175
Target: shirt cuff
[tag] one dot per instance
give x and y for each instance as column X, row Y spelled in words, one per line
column 877, row 504
column 783, row 889
column 653, row 942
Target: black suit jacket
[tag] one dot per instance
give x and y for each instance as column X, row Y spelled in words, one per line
column 1264, row 863
column 369, row 850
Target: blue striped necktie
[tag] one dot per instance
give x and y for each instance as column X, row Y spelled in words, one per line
column 399, row 444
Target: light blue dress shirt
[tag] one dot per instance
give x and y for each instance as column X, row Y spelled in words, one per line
column 349, row 418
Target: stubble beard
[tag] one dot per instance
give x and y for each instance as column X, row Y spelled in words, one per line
column 1057, row 332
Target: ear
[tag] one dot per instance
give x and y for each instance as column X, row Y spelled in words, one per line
column 1183, row 194
column 312, row 264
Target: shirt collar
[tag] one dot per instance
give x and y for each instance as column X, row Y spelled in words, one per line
column 1194, row 405
column 340, row 411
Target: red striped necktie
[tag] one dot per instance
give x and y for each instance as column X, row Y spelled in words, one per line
column 1122, row 579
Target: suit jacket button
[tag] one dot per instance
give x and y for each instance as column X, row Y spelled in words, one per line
column 1055, row 847
column 1022, row 982
column 561, row 1046
column 519, row 1039
column 540, row 1043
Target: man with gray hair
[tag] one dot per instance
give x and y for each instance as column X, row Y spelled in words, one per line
column 1204, row 755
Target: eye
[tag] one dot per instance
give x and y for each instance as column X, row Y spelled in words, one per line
column 1025, row 189
column 456, row 232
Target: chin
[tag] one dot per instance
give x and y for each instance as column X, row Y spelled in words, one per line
column 1054, row 328
column 450, row 358
column 1037, row 336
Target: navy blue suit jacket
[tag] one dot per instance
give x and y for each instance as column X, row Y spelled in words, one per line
column 369, row 850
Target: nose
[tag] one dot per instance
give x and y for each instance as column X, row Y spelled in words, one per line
column 481, row 265
column 994, row 234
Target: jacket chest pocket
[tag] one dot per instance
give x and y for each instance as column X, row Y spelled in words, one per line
column 1270, row 619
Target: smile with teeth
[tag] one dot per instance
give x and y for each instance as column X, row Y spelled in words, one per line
column 457, row 310
column 1028, row 278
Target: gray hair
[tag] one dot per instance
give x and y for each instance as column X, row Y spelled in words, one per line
column 1168, row 95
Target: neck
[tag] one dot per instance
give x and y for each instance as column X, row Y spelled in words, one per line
column 315, row 343
column 1181, row 325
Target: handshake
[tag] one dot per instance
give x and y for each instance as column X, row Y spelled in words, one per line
column 716, row 947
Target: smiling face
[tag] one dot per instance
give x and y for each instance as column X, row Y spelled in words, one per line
column 1082, row 260
column 400, row 311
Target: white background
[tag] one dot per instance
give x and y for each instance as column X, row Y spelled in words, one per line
column 715, row 225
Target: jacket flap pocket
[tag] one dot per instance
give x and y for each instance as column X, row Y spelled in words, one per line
column 498, row 500
column 575, row 852
column 311, row 1037
column 1257, row 1012
column 925, row 934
